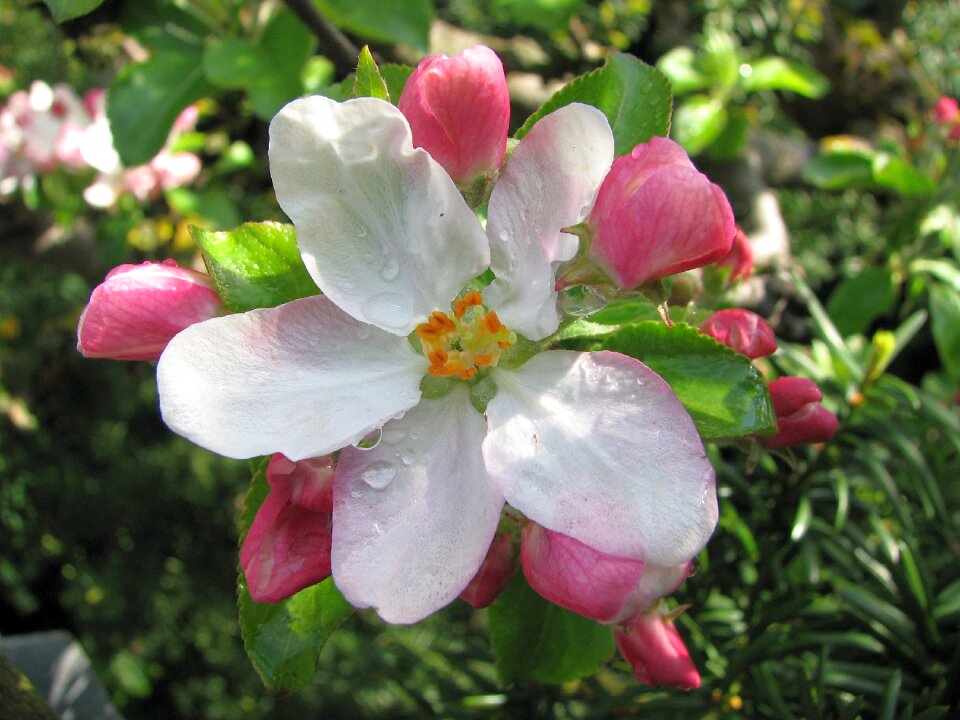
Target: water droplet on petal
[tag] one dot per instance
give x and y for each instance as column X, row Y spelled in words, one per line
column 394, row 435
column 370, row 440
column 503, row 236
column 407, row 456
column 390, row 311
column 390, row 270
column 379, row 474
column 362, row 331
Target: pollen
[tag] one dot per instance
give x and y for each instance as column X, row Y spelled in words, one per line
column 472, row 339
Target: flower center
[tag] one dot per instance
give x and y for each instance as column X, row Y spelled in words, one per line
column 472, row 339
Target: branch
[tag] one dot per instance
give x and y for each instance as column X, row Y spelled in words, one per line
column 336, row 46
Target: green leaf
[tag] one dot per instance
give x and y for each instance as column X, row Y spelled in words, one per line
column 776, row 73
column 545, row 15
column 895, row 173
column 63, row 10
column 284, row 640
column 698, row 122
column 382, row 20
column 861, row 299
column 146, row 98
column 634, row 96
column 256, row 265
column 722, row 390
column 396, row 76
column 945, row 325
column 534, row 640
column 368, row 81
column 681, row 67
column 839, row 170
column 230, row 62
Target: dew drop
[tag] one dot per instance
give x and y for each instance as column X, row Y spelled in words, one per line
column 582, row 301
column 390, row 270
column 407, row 456
column 379, row 474
column 390, row 311
column 503, row 236
column 362, row 331
column 394, row 435
column 370, row 440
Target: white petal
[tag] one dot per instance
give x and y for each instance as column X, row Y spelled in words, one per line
column 414, row 517
column 303, row 379
column 597, row 446
column 550, row 183
column 382, row 228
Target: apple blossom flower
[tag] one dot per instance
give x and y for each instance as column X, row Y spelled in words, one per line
column 801, row 419
column 656, row 215
column 656, row 652
column 739, row 259
column 608, row 589
column 742, row 330
column 287, row 546
column 459, row 111
column 946, row 110
column 137, row 309
column 495, row 572
column 165, row 171
column 592, row 445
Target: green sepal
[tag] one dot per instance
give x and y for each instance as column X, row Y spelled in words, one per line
column 368, row 82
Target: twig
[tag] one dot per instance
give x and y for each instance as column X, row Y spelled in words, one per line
column 336, row 46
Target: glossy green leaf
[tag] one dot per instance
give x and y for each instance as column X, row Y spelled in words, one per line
column 698, row 121
column 634, row 96
column 534, row 640
column 146, row 98
column 776, row 73
column 382, row 20
column 839, row 170
column 284, row 640
column 724, row 393
column 682, row 68
column 945, row 324
column 368, row 81
column 63, row 10
column 256, row 265
column 859, row 300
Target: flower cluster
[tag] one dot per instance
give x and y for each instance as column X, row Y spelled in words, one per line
column 419, row 396
column 46, row 128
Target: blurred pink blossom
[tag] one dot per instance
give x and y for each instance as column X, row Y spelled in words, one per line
column 739, row 259
column 801, row 419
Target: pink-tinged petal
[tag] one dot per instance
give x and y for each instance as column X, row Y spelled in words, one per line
column 946, row 110
column 137, row 309
column 175, row 170
column 656, row 652
column 303, row 379
column 307, row 483
column 549, row 183
column 653, row 222
column 739, row 259
column 459, row 111
column 801, row 419
column 382, row 228
column 286, row 549
column 602, row 587
column 597, row 446
column 415, row 516
column 743, row 331
column 494, row 574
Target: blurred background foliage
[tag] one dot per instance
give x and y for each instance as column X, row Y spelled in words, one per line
column 832, row 586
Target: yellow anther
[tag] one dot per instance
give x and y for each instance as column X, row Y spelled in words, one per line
column 459, row 346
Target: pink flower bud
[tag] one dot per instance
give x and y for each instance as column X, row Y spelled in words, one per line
column 287, row 547
column 739, row 259
column 801, row 419
column 602, row 587
column 138, row 309
column 745, row 332
column 494, row 574
column 656, row 652
column 459, row 111
column 656, row 215
column 946, row 111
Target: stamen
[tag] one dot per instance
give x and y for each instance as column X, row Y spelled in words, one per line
column 460, row 346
